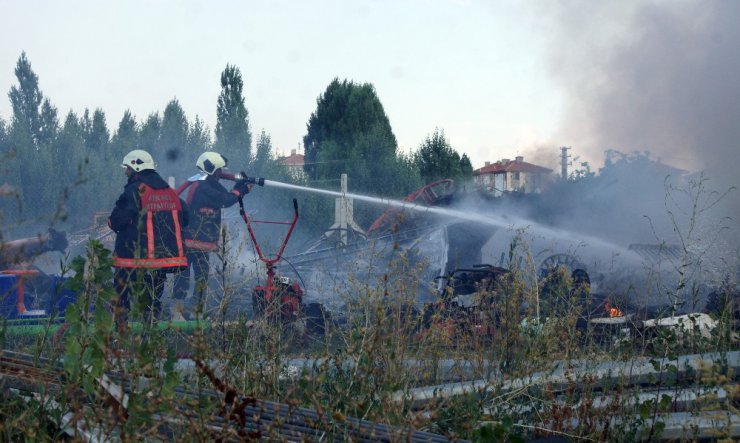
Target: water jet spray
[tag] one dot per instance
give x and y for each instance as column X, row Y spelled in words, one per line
column 506, row 222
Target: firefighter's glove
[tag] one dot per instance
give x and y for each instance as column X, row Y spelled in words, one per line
column 240, row 188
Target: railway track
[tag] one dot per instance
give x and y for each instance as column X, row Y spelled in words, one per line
column 240, row 418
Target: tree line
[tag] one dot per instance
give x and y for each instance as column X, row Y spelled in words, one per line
column 64, row 168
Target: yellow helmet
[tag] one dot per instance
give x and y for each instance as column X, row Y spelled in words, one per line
column 210, row 161
column 138, row 160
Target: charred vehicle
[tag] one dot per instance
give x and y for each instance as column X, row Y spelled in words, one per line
column 470, row 303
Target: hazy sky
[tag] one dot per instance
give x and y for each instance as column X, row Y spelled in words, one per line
column 472, row 68
column 501, row 78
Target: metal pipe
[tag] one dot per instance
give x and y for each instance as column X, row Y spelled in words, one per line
column 635, row 371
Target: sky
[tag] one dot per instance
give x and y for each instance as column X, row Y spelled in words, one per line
column 500, row 78
column 472, row 69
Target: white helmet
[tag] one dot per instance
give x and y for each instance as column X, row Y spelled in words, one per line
column 138, row 160
column 210, row 161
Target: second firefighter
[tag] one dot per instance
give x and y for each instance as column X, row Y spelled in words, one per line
column 205, row 199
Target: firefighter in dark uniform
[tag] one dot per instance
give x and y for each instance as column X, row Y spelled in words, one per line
column 148, row 220
column 205, row 199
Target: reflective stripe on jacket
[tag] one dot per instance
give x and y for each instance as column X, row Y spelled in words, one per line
column 201, row 245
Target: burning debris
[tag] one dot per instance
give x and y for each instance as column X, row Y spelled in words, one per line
column 626, row 284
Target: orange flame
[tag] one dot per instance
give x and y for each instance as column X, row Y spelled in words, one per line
column 613, row 311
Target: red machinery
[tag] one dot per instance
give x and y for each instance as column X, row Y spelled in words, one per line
column 15, row 269
column 429, row 194
column 277, row 289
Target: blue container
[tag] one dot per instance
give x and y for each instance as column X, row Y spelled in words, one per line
column 8, row 295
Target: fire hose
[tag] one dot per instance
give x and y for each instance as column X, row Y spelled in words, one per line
column 238, row 177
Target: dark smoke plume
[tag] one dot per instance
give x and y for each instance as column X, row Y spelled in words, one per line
column 662, row 77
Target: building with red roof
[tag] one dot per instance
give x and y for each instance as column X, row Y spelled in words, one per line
column 511, row 176
column 294, row 162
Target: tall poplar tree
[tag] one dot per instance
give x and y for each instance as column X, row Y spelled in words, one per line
column 48, row 123
column 233, row 137
column 32, row 156
column 7, row 173
column 3, row 136
column 26, row 98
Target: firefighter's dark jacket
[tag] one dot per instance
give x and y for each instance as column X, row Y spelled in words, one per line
column 149, row 238
column 204, row 201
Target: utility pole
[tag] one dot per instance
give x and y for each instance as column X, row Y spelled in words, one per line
column 564, row 162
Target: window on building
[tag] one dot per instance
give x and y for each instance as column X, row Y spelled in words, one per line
column 516, row 176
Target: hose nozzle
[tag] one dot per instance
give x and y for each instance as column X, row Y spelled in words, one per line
column 239, row 176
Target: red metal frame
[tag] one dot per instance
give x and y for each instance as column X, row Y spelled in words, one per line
column 269, row 262
column 425, row 193
column 20, row 288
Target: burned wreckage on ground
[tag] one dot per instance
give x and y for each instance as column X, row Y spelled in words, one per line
column 457, row 266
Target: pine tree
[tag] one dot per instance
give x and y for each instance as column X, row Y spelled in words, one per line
column 86, row 124
column 233, row 137
column 199, row 137
column 70, row 143
column 126, row 137
column 98, row 136
column 172, row 154
column 78, row 175
column 349, row 132
column 104, row 166
column 436, row 159
column 149, row 135
column 263, row 155
column 466, row 167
